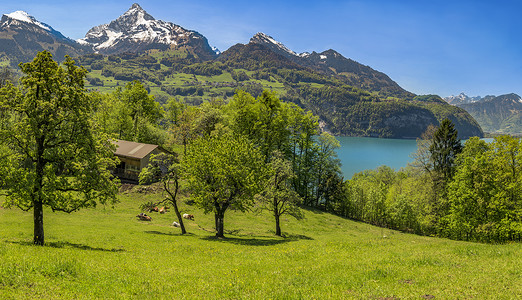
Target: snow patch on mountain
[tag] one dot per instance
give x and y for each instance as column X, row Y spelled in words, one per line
column 216, row 50
column 262, row 38
column 136, row 26
column 462, row 98
column 22, row 16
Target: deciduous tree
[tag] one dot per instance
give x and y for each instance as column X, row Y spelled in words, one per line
column 55, row 157
column 141, row 108
column 277, row 195
column 223, row 171
column 165, row 168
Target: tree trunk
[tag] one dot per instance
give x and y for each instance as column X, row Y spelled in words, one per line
column 277, row 215
column 278, row 226
column 216, row 221
column 220, row 216
column 135, row 129
column 180, row 218
column 174, row 201
column 38, row 223
column 38, row 238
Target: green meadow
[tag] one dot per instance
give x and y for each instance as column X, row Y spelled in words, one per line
column 106, row 253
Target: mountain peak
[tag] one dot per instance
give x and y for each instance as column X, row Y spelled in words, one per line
column 260, row 36
column 509, row 98
column 22, row 16
column 136, row 15
column 272, row 44
column 136, row 30
column 136, row 6
column 462, row 98
column 23, row 36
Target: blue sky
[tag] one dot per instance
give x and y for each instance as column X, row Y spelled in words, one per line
column 427, row 47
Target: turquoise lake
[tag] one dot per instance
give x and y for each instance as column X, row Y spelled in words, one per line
column 360, row 153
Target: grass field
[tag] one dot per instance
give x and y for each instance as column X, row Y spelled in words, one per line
column 107, row 253
column 184, row 80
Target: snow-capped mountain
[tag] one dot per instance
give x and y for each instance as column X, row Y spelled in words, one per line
column 23, row 36
column 18, row 16
column 502, row 114
column 272, row 44
column 331, row 62
column 136, row 30
column 465, row 99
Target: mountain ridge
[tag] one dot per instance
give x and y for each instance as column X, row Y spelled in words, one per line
column 331, row 62
column 462, row 98
column 501, row 114
column 350, row 98
column 22, row 36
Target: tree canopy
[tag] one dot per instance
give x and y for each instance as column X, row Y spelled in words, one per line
column 56, row 155
column 444, row 148
column 223, row 171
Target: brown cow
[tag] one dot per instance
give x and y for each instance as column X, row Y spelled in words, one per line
column 144, row 217
column 187, row 216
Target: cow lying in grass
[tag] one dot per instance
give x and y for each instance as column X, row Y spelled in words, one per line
column 144, row 217
column 175, row 224
column 187, row 216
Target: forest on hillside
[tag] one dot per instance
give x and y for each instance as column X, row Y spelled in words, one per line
column 344, row 107
column 241, row 153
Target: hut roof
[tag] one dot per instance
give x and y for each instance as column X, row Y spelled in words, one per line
column 133, row 149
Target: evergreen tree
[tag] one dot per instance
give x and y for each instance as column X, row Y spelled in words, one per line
column 443, row 150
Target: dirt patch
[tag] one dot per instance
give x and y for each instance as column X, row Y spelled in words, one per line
column 147, row 189
column 126, row 187
column 142, row 189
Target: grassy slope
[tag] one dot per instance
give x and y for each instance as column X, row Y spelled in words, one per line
column 107, row 253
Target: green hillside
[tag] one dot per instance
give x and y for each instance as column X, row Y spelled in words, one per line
column 107, row 253
column 344, row 109
column 498, row 115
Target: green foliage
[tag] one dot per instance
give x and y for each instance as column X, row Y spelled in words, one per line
column 6, row 75
column 147, row 206
column 399, row 200
column 484, row 198
column 95, row 81
column 444, row 148
column 57, row 157
column 240, row 75
column 277, row 195
column 184, row 91
column 273, row 125
column 329, row 183
column 480, row 202
column 131, row 114
column 429, row 99
column 223, row 171
column 204, row 69
column 354, row 104
column 165, row 167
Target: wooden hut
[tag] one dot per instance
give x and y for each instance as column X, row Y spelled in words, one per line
column 133, row 158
